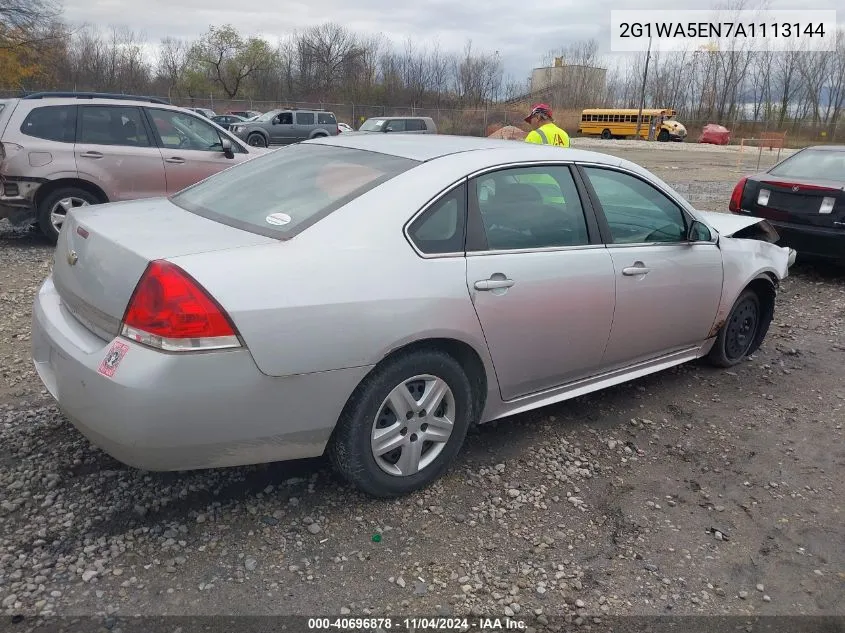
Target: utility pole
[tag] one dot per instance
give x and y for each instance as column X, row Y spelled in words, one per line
column 642, row 92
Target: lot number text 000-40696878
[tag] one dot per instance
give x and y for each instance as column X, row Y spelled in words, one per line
column 676, row 30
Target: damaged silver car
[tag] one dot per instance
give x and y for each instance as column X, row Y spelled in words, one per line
column 372, row 296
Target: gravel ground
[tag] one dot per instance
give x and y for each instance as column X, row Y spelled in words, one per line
column 696, row 491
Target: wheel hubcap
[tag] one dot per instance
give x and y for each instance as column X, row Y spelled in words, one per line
column 256, row 141
column 60, row 210
column 413, row 425
column 741, row 330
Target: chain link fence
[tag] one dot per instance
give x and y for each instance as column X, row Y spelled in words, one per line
column 484, row 120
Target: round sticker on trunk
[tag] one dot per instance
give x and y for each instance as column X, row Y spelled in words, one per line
column 278, row 219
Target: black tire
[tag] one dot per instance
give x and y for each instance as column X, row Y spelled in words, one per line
column 256, row 139
column 606, row 135
column 663, row 136
column 45, row 208
column 740, row 331
column 350, row 447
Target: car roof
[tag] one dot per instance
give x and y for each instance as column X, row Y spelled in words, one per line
column 828, row 148
column 425, row 147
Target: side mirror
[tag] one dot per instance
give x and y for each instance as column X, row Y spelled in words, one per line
column 699, row 232
column 228, row 150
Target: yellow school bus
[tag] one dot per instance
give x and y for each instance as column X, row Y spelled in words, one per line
column 621, row 123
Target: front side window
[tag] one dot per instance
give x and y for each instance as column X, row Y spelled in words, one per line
column 285, row 118
column 441, row 228
column 179, row 130
column 283, row 192
column 636, row 212
column 530, row 207
column 305, row 118
column 52, row 123
column 397, row 125
column 113, row 125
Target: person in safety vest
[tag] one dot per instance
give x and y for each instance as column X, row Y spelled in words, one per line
column 545, row 131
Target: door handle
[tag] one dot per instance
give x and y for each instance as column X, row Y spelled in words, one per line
column 91, row 155
column 493, row 284
column 636, row 269
column 175, row 160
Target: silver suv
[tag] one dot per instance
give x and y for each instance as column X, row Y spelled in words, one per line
column 64, row 150
column 284, row 127
column 400, row 124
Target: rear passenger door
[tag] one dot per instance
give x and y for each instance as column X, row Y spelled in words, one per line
column 304, row 125
column 540, row 279
column 114, row 149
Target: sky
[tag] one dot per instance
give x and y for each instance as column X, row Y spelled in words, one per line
column 522, row 31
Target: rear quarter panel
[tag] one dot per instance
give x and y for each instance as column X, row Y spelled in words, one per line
column 349, row 289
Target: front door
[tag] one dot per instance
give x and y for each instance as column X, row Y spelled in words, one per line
column 115, row 151
column 282, row 130
column 192, row 148
column 541, row 284
column 667, row 288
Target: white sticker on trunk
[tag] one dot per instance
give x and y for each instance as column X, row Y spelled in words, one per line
column 278, row 219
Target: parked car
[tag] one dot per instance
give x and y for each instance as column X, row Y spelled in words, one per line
column 374, row 298
column 803, row 197
column 208, row 114
column 65, row 150
column 344, row 127
column 246, row 114
column 406, row 125
column 283, row 127
column 227, row 120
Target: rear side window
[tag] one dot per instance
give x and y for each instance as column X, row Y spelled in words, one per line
column 415, row 125
column 52, row 123
column 282, row 193
column 326, row 118
column 113, row 125
column 442, row 227
column 305, row 118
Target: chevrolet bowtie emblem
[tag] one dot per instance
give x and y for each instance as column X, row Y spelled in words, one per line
column 72, row 258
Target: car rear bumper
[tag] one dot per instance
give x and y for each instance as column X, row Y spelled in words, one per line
column 812, row 241
column 162, row 411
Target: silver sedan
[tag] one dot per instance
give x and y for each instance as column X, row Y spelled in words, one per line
column 373, row 296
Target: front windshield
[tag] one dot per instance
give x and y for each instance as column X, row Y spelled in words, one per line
column 283, row 192
column 267, row 116
column 372, row 125
column 813, row 164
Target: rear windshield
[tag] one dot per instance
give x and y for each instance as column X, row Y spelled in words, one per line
column 285, row 191
column 813, row 164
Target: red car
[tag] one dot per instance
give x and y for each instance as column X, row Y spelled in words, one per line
column 715, row 134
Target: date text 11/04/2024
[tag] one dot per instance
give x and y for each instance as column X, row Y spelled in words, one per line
column 710, row 30
column 416, row 624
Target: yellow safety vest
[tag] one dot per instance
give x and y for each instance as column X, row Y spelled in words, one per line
column 548, row 134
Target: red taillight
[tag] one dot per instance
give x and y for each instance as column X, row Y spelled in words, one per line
column 169, row 310
column 735, row 205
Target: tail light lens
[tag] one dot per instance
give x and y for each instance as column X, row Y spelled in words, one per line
column 735, row 205
column 171, row 311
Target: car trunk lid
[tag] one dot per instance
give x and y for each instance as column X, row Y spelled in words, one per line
column 809, row 202
column 104, row 249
